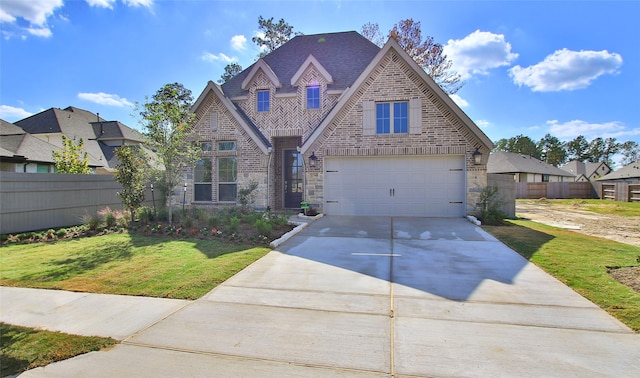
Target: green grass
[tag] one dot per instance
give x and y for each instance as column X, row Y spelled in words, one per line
column 625, row 209
column 126, row 264
column 580, row 261
column 26, row 348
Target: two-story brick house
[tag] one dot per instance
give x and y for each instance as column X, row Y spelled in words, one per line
column 335, row 120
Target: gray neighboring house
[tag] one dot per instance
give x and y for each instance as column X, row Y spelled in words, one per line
column 101, row 137
column 525, row 168
column 334, row 120
column 23, row 152
column 630, row 173
column 586, row 172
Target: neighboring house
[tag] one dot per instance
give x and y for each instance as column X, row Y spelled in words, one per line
column 349, row 127
column 630, row 173
column 585, row 172
column 22, row 152
column 525, row 168
column 101, row 137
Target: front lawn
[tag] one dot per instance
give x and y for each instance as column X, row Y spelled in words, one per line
column 128, row 264
column 580, row 261
column 24, row 348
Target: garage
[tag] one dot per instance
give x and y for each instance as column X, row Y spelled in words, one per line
column 426, row 186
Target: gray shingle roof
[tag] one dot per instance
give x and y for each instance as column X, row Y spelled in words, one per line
column 77, row 123
column 344, row 55
column 8, row 128
column 27, row 146
column 629, row 171
column 509, row 162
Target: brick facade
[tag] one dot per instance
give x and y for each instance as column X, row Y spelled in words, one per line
column 289, row 125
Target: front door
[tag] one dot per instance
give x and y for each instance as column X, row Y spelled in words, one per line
column 293, row 179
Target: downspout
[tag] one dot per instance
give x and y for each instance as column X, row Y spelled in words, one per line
column 269, row 153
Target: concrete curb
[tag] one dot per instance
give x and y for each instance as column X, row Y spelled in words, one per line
column 300, row 226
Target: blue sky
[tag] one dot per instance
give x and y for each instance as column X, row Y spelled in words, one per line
column 565, row 68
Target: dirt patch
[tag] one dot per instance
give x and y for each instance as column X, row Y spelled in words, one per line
column 629, row 276
column 621, row 229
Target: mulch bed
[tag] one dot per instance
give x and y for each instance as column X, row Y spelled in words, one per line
column 629, row 276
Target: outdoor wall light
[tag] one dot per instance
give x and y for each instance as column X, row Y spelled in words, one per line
column 313, row 160
column 477, row 157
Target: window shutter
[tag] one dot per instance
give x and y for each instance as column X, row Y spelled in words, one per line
column 368, row 118
column 415, row 116
column 214, row 121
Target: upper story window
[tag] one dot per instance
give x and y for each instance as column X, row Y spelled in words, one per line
column 228, row 145
column 392, row 117
column 313, row 97
column 206, row 146
column 263, row 101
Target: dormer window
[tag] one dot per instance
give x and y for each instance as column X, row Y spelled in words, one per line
column 313, row 97
column 263, row 101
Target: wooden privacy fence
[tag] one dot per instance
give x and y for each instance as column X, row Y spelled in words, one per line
column 619, row 191
column 36, row 201
column 555, row 190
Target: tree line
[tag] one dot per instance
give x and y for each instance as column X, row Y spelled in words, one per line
column 555, row 152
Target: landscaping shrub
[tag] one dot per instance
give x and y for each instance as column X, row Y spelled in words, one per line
column 92, row 221
column 145, row 215
column 233, row 225
column 488, row 207
column 61, row 233
column 110, row 220
column 263, row 227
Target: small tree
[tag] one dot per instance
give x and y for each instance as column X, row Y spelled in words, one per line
column 168, row 125
column 132, row 173
column 72, row 159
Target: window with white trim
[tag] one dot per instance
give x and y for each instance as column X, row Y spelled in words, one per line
column 263, row 101
column 313, row 97
column 392, row 117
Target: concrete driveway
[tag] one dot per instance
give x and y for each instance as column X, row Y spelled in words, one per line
column 378, row 297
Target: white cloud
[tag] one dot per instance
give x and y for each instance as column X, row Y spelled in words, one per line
column 34, row 11
column 101, row 3
column 10, row 112
column 571, row 129
column 209, row 57
column 479, row 52
column 239, row 42
column 105, row 99
column 461, row 102
column 482, row 123
column 40, row 32
column 138, row 3
column 566, row 70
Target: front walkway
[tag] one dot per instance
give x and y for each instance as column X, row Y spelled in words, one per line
column 376, row 297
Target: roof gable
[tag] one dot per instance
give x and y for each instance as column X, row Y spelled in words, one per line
column 251, row 129
column 261, row 65
column 343, row 55
column 629, row 171
column 392, row 44
column 311, row 61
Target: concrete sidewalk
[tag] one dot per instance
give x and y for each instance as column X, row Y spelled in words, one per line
column 375, row 297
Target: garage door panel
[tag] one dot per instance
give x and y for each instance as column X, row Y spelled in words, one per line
column 395, row 186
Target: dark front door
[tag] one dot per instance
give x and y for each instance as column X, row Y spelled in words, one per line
column 293, row 179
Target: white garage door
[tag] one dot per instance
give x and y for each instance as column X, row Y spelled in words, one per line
column 395, row 186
